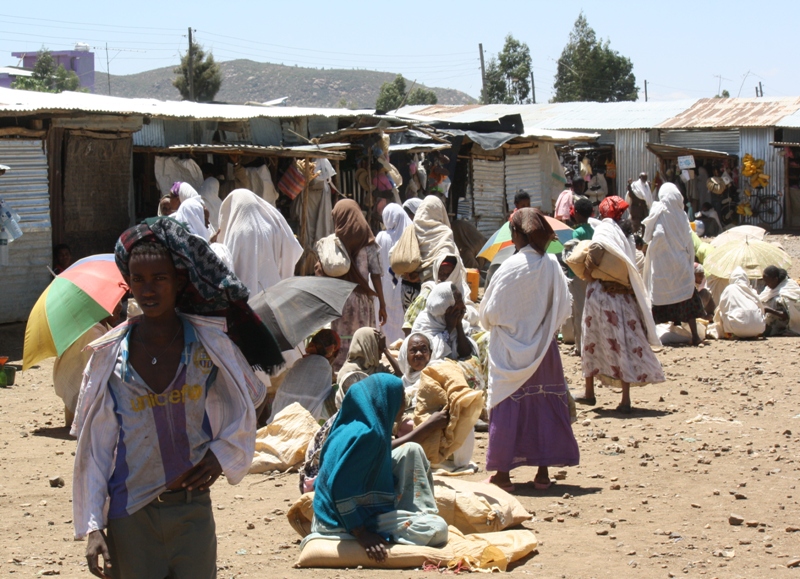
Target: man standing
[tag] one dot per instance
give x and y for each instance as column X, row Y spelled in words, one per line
column 640, row 199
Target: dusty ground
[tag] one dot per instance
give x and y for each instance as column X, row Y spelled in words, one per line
column 652, row 497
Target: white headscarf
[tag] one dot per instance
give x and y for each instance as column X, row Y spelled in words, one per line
column 209, row 191
column 192, row 213
column 669, row 263
column 395, row 220
column 263, row 246
column 611, row 238
column 431, row 320
column 789, row 291
column 410, row 376
column 433, row 231
column 412, row 205
column 523, row 308
column 740, row 310
column 642, row 191
column 186, row 191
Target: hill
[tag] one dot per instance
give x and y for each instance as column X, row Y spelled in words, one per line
column 246, row 80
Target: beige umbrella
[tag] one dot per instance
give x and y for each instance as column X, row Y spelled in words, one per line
column 752, row 255
column 739, row 232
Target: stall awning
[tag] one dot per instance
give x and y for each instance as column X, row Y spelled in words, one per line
column 784, row 144
column 672, row 152
column 418, row 147
column 329, row 150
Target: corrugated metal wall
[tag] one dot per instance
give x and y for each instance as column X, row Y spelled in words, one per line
column 724, row 141
column 178, row 132
column 522, row 171
column 25, row 188
column 757, row 143
column 487, row 190
column 266, row 132
column 317, row 125
column 632, row 157
column 151, row 135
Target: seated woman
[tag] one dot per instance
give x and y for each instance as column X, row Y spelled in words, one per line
column 443, row 319
column 309, row 380
column 781, row 299
column 364, row 356
column 740, row 313
column 709, row 305
column 371, row 488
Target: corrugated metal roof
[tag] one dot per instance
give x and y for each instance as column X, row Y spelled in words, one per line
column 558, row 116
column 328, row 150
column 790, row 121
column 714, row 113
column 14, row 71
column 21, row 101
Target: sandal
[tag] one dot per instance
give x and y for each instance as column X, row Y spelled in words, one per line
column 624, row 409
column 588, row 401
column 509, row 488
column 542, row 486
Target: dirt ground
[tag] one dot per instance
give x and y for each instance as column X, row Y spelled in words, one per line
column 652, row 497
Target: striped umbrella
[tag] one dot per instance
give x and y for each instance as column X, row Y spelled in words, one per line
column 85, row 293
column 501, row 239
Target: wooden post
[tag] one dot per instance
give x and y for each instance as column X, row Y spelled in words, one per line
column 304, row 210
column 369, row 180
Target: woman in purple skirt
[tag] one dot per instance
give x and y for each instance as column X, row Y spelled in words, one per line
column 523, row 308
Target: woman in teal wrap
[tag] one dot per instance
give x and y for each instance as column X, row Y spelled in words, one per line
column 371, row 487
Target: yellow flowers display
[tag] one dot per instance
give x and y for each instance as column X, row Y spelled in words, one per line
column 754, row 168
column 745, row 209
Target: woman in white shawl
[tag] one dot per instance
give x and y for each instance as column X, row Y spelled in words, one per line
column 434, row 233
column 395, row 220
column 618, row 328
column 524, row 306
column 418, row 351
column 669, row 263
column 781, row 299
column 192, row 213
column 263, row 246
column 443, row 319
column 740, row 312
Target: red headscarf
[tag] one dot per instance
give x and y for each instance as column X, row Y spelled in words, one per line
column 613, row 207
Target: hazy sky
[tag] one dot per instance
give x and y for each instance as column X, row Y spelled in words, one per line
column 679, row 47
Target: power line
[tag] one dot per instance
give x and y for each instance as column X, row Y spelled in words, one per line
column 90, row 24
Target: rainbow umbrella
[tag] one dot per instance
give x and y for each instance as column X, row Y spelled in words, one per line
column 501, row 239
column 82, row 295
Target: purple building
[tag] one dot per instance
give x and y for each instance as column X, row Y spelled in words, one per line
column 80, row 60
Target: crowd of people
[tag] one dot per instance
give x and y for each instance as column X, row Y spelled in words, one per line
column 193, row 370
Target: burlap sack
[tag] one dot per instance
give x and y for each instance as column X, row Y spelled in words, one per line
column 476, row 507
column 333, row 256
column 283, row 443
column 611, row 268
column 405, row 256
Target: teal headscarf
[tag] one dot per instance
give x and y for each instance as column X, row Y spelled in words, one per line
column 355, row 482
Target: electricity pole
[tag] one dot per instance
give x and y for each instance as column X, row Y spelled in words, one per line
column 483, row 71
column 645, row 91
column 108, row 71
column 191, row 67
column 533, row 88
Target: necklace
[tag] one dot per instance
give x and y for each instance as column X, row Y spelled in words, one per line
column 154, row 360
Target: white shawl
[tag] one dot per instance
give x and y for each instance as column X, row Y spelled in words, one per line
column 433, row 231
column 789, row 291
column 523, row 308
column 642, row 191
column 669, row 263
column 192, row 213
column 263, row 246
column 608, row 235
column 740, row 311
column 410, row 376
column 209, row 191
column 186, row 191
column 395, row 220
column 308, row 382
column 431, row 321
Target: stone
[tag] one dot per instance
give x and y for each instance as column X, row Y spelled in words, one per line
column 793, row 563
column 752, row 523
column 792, row 529
column 602, row 532
column 56, row 482
column 735, row 519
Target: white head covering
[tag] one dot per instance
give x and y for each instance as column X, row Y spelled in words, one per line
column 192, row 213
column 263, row 246
column 740, row 311
column 224, row 254
column 433, row 231
column 413, row 205
column 609, row 235
column 642, row 191
column 410, row 376
column 669, row 263
column 186, row 191
column 209, row 191
column 522, row 321
column 395, row 220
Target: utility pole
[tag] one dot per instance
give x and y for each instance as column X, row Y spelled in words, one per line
column 483, row 71
column 108, row 71
column 645, row 91
column 191, row 67
column 760, row 89
column 533, row 88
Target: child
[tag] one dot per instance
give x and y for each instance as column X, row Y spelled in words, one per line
column 167, row 405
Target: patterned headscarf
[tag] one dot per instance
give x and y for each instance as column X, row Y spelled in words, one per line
column 212, row 288
column 325, row 343
column 533, row 225
column 613, row 207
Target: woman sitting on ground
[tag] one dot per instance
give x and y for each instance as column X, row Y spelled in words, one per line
column 364, row 355
column 443, row 319
column 309, row 380
column 709, row 305
column 370, row 487
column 740, row 313
column 781, row 299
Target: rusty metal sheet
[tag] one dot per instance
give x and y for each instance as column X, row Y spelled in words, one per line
column 734, row 112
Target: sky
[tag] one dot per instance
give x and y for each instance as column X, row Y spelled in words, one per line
column 683, row 49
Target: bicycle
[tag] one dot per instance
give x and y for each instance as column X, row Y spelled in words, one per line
column 768, row 207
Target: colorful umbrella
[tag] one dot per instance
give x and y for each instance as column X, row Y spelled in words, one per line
column 82, row 295
column 502, row 238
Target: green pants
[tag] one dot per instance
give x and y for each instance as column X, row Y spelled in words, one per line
column 172, row 537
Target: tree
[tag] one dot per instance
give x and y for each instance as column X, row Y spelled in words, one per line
column 207, row 75
column 394, row 94
column 508, row 75
column 588, row 70
column 47, row 77
column 725, row 95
